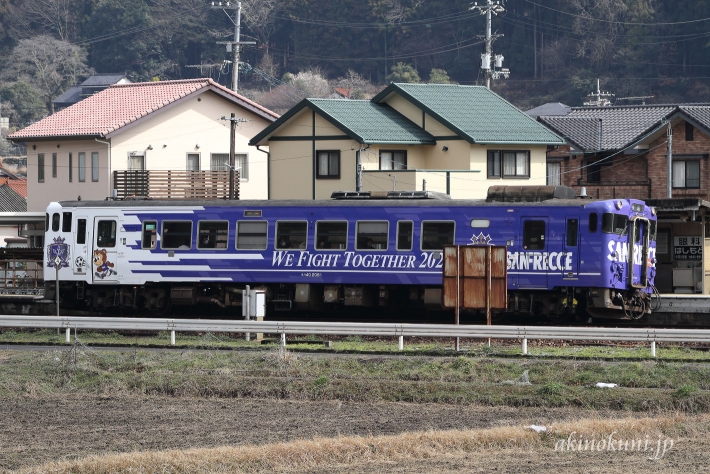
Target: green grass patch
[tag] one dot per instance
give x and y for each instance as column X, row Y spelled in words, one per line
column 286, row 374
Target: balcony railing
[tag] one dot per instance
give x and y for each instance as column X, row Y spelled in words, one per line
column 175, row 184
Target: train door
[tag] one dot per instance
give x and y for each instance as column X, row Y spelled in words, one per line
column 106, row 242
column 567, row 261
column 638, row 251
column 532, row 264
column 82, row 241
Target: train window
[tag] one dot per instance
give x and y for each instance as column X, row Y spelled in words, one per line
column 177, row 235
column 593, row 222
column 437, row 234
column 66, row 221
column 480, row 223
column 81, row 231
column 46, row 221
column 55, row 222
column 637, row 231
column 614, row 223
column 572, row 231
column 404, row 235
column 372, row 235
column 106, row 234
column 212, row 234
column 291, row 235
column 534, row 235
column 149, row 239
column 252, row 235
column 331, row 235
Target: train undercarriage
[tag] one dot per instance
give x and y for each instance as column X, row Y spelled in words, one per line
column 161, row 299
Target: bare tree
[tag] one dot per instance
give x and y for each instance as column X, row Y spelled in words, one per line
column 599, row 45
column 48, row 64
column 46, row 16
column 311, row 83
column 261, row 17
column 357, row 86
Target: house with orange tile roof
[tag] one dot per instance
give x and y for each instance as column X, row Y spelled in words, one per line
column 167, row 126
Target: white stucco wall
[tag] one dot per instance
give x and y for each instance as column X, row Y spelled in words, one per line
column 172, row 133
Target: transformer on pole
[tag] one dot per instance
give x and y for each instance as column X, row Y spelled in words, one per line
column 491, row 65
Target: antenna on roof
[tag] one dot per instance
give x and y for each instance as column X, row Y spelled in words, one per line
column 642, row 98
column 598, row 98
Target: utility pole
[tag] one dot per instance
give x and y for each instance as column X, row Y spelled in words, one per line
column 233, row 120
column 489, row 9
column 233, row 46
column 669, row 157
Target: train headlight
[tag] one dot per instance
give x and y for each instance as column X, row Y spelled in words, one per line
column 619, row 204
column 653, row 211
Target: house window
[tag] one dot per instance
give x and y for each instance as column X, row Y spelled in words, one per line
column 554, row 175
column 94, row 166
column 594, row 172
column 686, row 172
column 219, row 161
column 393, row 160
column 688, row 132
column 242, row 165
column 508, row 164
column 82, row 167
column 71, row 171
column 40, row 167
column 135, row 162
column 328, row 164
column 54, row 165
column 193, row 162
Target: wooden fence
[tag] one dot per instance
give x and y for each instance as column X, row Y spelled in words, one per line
column 175, row 184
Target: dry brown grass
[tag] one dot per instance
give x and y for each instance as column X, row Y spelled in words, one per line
column 343, row 451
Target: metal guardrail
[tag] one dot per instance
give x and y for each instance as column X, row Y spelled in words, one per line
column 521, row 333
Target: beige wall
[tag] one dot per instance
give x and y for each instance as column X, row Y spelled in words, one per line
column 39, row 195
column 172, row 134
column 404, row 107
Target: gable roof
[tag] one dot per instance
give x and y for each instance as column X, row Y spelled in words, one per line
column 17, row 185
column 621, row 127
column 362, row 120
column 474, row 113
column 69, row 96
column 103, row 79
column 10, row 201
column 550, row 108
column 111, row 109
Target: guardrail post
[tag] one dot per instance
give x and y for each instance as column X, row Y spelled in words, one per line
column 172, row 338
column 283, row 339
column 401, row 343
column 653, row 348
column 525, row 346
column 68, row 335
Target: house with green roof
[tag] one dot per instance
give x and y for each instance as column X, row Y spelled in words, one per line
column 436, row 137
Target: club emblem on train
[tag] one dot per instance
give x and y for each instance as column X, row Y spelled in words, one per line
column 58, row 248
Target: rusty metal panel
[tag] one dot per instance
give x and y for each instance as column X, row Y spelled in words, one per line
column 473, row 261
column 450, row 267
column 480, row 276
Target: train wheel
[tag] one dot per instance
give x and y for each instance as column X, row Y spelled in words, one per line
column 163, row 306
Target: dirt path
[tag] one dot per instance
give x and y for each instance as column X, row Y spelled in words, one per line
column 40, row 429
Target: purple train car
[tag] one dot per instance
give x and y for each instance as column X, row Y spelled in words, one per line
column 565, row 255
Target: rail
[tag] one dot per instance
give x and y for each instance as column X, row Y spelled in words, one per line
column 521, row 333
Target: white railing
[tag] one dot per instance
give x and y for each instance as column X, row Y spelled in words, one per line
column 521, row 333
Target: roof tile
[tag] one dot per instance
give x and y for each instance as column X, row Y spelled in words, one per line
column 121, row 104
